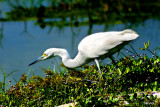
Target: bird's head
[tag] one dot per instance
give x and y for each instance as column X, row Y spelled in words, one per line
column 49, row 53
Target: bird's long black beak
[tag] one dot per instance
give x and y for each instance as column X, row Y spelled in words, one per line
column 39, row 59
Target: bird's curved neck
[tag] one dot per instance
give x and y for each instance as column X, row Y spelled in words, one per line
column 71, row 63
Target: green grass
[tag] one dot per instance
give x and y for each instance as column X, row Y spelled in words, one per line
column 120, row 83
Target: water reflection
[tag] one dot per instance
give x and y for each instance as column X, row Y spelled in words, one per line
column 1, row 34
column 30, row 28
column 82, row 13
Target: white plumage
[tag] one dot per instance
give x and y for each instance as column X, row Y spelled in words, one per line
column 93, row 47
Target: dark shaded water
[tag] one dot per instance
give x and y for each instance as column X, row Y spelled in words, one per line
column 21, row 42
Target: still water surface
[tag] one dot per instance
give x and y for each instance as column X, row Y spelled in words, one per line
column 23, row 42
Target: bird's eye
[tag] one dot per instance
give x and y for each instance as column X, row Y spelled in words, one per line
column 44, row 55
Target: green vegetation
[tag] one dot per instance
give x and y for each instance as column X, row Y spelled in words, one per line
column 82, row 12
column 120, row 85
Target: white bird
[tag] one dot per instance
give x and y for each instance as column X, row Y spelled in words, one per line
column 93, row 47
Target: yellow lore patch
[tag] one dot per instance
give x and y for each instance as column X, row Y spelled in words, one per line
column 44, row 55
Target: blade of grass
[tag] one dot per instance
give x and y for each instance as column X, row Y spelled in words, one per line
column 4, row 79
column 129, row 51
column 122, row 53
column 15, row 80
column 29, row 71
column 11, row 73
column 152, row 53
column 133, row 49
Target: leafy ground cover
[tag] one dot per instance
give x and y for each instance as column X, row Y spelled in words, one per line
column 128, row 82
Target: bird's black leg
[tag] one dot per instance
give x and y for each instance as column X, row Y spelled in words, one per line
column 111, row 57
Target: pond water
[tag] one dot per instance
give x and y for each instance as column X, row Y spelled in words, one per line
column 23, row 42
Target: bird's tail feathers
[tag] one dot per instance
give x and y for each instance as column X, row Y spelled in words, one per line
column 128, row 31
column 129, row 35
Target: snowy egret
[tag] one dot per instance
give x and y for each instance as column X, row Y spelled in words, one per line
column 93, row 47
